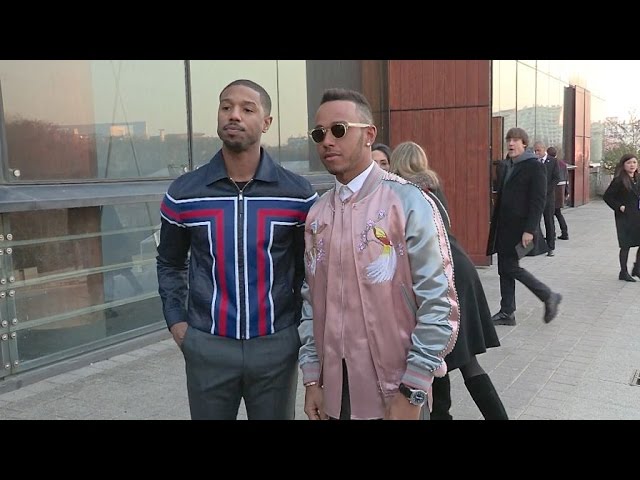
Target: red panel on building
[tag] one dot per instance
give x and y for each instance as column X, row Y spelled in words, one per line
column 445, row 107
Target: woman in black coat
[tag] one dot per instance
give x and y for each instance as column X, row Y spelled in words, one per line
column 477, row 331
column 623, row 196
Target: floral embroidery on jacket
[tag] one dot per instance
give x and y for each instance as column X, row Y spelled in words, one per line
column 317, row 252
column 382, row 268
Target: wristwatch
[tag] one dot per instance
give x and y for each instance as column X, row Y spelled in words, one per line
column 415, row 397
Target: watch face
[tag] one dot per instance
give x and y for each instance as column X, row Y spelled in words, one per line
column 418, row 397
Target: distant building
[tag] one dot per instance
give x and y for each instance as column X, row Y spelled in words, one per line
column 129, row 129
column 541, row 123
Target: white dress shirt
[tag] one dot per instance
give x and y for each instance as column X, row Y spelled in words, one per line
column 346, row 191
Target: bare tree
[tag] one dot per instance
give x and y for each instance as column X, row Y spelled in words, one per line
column 620, row 137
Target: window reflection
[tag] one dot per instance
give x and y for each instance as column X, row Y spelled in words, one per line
column 543, row 66
column 92, row 119
column 526, row 116
column 504, row 94
column 208, row 78
column 563, row 69
column 553, row 129
column 296, row 88
column 82, row 275
column 540, row 100
column 548, row 112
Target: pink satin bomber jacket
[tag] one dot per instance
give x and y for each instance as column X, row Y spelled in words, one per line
column 379, row 293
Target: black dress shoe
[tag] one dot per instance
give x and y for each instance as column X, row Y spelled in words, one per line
column 626, row 277
column 563, row 237
column 502, row 318
column 551, row 307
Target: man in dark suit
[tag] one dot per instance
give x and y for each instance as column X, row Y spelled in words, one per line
column 562, row 193
column 553, row 177
column 516, row 216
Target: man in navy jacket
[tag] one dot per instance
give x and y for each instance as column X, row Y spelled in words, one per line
column 231, row 265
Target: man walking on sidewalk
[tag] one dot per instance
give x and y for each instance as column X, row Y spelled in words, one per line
column 561, row 193
column 553, row 177
column 519, row 204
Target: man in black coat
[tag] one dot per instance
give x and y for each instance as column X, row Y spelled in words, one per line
column 552, row 171
column 562, row 193
column 520, row 201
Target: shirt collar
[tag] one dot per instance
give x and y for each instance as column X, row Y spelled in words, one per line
column 356, row 184
column 266, row 171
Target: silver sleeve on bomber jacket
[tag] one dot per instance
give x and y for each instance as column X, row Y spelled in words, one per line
column 308, row 355
column 437, row 301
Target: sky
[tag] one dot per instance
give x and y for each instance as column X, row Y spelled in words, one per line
column 617, row 82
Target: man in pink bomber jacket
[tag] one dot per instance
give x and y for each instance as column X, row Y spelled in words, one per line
column 380, row 310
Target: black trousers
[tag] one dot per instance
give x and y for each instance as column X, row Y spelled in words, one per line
column 550, row 224
column 510, row 270
column 563, row 224
column 345, row 406
column 345, row 403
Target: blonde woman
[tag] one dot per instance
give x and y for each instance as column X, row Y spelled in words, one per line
column 477, row 332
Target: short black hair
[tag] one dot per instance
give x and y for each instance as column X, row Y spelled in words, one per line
column 362, row 104
column 552, row 151
column 265, row 99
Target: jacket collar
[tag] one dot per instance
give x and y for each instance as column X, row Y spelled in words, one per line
column 372, row 181
column 266, row 172
column 517, row 166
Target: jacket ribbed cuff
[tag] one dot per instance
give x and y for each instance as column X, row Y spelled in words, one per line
column 418, row 378
column 310, row 372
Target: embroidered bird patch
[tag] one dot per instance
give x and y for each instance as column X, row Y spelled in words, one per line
column 382, row 268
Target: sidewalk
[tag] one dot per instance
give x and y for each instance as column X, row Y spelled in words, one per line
column 579, row 366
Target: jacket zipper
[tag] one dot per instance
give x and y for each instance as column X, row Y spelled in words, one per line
column 342, row 288
column 240, row 252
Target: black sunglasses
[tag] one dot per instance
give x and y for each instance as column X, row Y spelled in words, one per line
column 338, row 130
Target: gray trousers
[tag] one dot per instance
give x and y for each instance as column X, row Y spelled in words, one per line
column 221, row 371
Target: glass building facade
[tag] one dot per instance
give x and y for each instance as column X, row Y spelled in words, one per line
column 531, row 95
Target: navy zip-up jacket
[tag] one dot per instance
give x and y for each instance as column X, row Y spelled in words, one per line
column 241, row 250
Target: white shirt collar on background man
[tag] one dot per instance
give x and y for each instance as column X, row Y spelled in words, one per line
column 354, row 185
column 543, row 159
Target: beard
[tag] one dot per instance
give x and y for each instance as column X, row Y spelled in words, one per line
column 237, row 143
column 344, row 165
column 235, row 146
